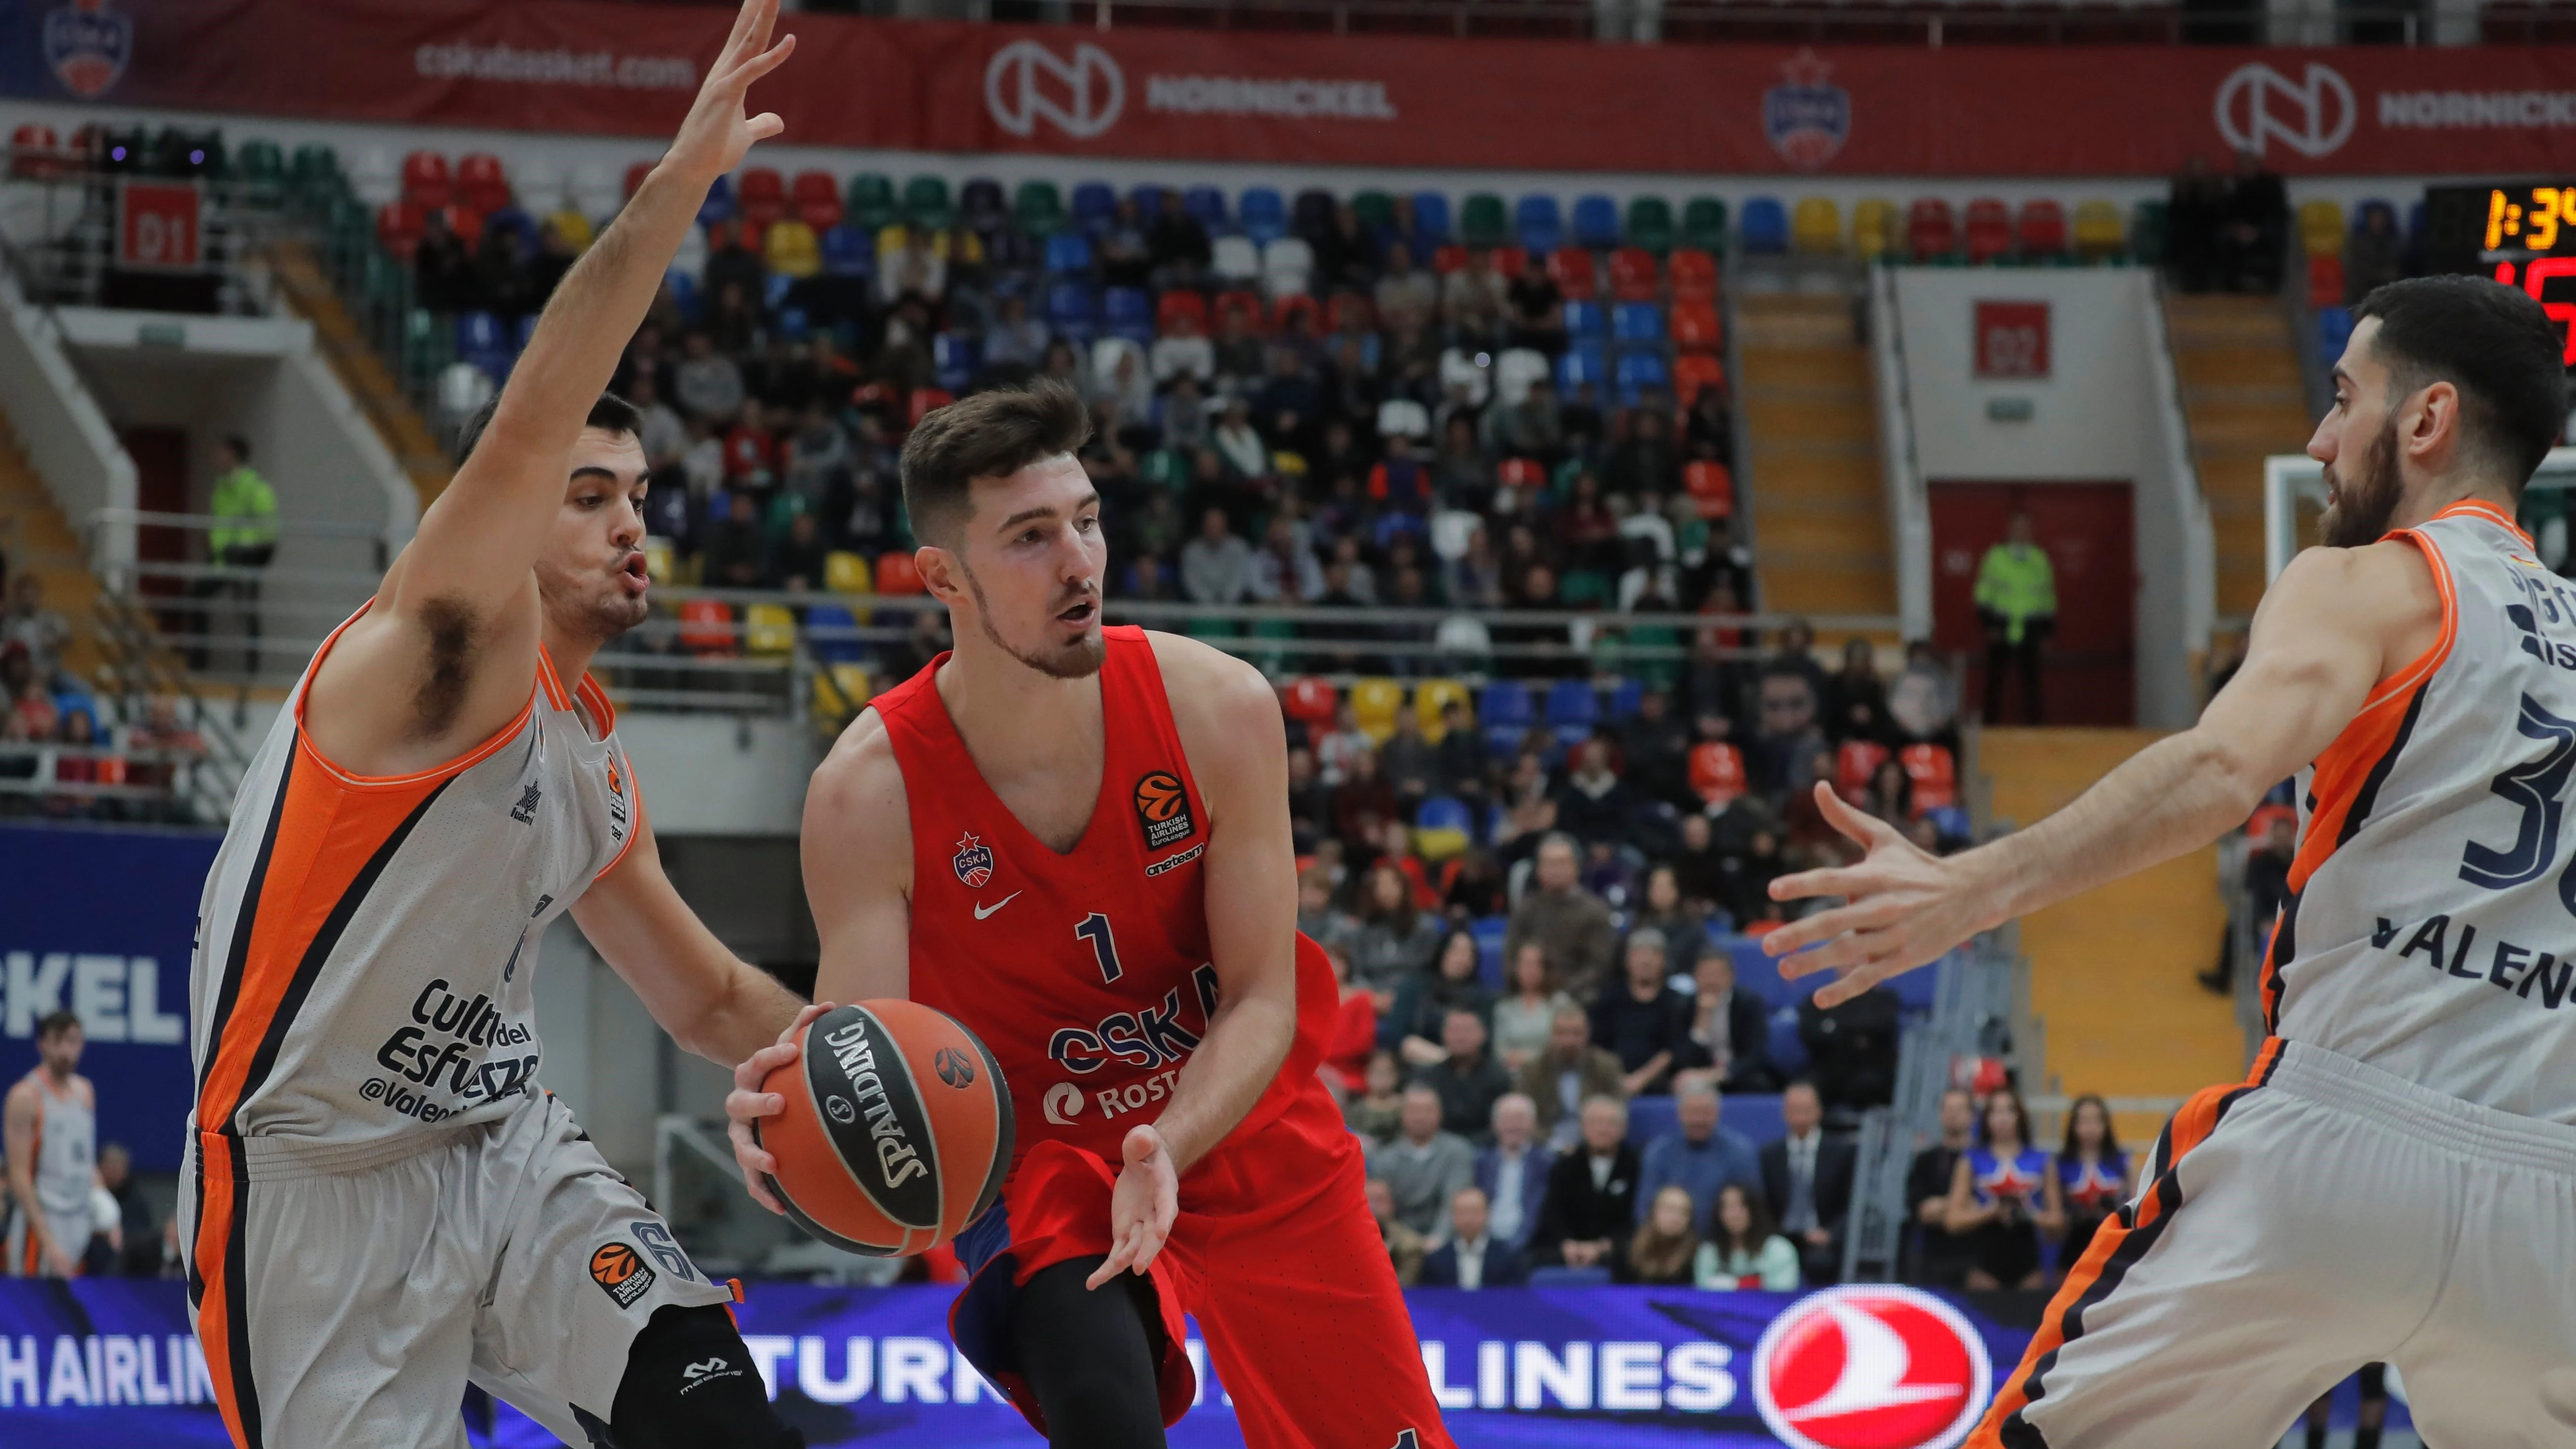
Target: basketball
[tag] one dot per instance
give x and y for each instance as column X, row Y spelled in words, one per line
column 897, row 1129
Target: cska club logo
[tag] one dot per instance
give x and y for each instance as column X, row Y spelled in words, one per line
column 1871, row 1367
column 973, row 862
column 1806, row 116
column 87, row 46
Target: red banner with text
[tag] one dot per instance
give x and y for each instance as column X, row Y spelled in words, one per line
column 582, row 66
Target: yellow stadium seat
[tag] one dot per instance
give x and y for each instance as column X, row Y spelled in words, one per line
column 839, row 692
column 793, row 250
column 846, row 573
column 1873, row 227
column 1439, row 845
column 1374, row 703
column 1816, row 225
column 1433, row 696
column 2099, row 231
column 2320, row 228
column 769, row 631
column 573, row 227
column 657, row 560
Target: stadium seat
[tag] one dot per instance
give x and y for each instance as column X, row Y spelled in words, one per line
column 1068, row 253
column 1092, row 207
column 1694, row 276
column 2147, row 233
column 897, row 574
column 1693, row 371
column 1634, row 277
column 2325, row 280
column 1265, row 214
column 1206, row 205
column 1585, row 323
column 1766, row 226
column 1873, row 228
column 1580, row 366
column 718, row 207
column 1310, row 215
column 1625, row 698
column 926, row 204
column 1179, row 303
column 1287, row 266
column 1716, row 772
column 1639, row 373
column 792, row 249
column 953, row 359
column 760, row 196
column 1128, row 312
column 706, row 628
column 2041, row 229
column 425, row 180
column 2334, row 332
column 1571, row 269
column 1431, row 701
column 1443, row 827
column 1375, row 210
column 1650, row 225
column 1515, row 370
column 1038, row 208
column 1935, row 774
column 1310, row 701
column 2321, row 229
column 831, row 632
column 1507, row 712
column 1573, row 710
column 871, row 206
column 2099, row 232
column 1711, row 487
column 1816, row 226
column 1527, row 473
column 1234, row 259
column 1296, row 304
column 1451, row 258
column 845, row 572
column 1538, row 222
column 1704, row 224
column 1374, row 705
column 1696, row 327
column 1482, row 223
column 1854, row 765
column 1931, row 229
column 1636, row 325
column 480, row 181
column 1596, row 222
column 847, row 252
column 480, row 341
column 35, row 152
column 1989, row 231
column 398, row 227
column 1430, row 216
column 769, row 631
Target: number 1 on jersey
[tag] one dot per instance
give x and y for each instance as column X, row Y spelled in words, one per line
column 1095, row 929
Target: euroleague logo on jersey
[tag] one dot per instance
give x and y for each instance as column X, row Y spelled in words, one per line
column 973, row 862
column 1163, row 808
column 1871, row 1367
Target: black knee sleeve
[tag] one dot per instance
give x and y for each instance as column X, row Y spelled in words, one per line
column 690, row 1384
column 1092, row 1357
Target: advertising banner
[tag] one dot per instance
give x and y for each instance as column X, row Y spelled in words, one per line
column 110, row 1364
column 1379, row 100
column 101, row 923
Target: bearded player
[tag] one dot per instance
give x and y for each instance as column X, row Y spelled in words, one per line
column 380, row 1202
column 2396, row 1179
column 1075, row 841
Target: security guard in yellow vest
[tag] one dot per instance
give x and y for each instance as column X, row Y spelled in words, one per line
column 2017, row 604
column 242, row 540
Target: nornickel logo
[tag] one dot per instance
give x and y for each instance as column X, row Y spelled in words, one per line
column 2258, row 105
column 1025, row 83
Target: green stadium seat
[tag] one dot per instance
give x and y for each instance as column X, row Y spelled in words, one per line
column 261, row 168
column 2147, row 233
column 1482, row 222
column 315, row 164
column 1376, row 210
column 1704, row 223
column 1650, row 224
column 925, row 202
column 1038, row 208
column 871, row 203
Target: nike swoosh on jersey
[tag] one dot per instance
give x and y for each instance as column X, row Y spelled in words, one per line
column 982, row 910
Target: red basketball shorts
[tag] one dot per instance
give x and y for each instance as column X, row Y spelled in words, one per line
column 1274, row 1253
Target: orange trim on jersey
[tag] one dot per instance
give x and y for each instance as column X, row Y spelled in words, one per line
column 602, row 713
column 215, row 1306
column 634, row 822
column 550, row 681
column 2488, row 511
column 310, row 751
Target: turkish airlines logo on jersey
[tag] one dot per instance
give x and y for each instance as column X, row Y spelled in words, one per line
column 1871, row 1367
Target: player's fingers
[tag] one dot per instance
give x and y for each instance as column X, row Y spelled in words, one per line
column 767, row 61
column 1855, row 981
column 1809, row 932
column 1855, row 824
column 1838, row 881
column 764, row 126
column 1121, row 1253
column 751, row 1071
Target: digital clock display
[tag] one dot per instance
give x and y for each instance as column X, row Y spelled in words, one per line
column 2535, row 220
column 2521, row 233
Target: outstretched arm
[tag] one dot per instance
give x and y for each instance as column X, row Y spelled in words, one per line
column 711, row 1001
column 444, row 657
column 2335, row 625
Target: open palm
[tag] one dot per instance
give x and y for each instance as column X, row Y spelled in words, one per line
column 717, row 134
column 1903, row 907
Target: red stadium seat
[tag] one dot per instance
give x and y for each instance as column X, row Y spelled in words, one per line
column 1931, row 230
column 1521, row 473
column 1290, row 304
column 1310, row 702
column 481, row 183
column 1935, row 775
column 2043, row 228
column 1696, row 327
column 1510, row 262
column 35, row 151
column 897, row 573
column 1571, row 269
column 635, row 175
column 1694, row 276
column 924, row 402
column 425, row 179
column 1990, row 233
column 398, row 227
column 1716, row 771
column 1445, row 260
column 706, row 628
column 762, row 197
column 1177, row 303
column 1693, row 371
column 2325, row 280
column 814, row 186
column 1854, row 764
column 1634, row 277
column 1246, row 305
column 466, row 222
column 822, row 213
column 1711, row 488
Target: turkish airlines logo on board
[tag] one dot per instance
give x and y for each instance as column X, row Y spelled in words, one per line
column 1871, row 1367
column 1026, row 83
column 2258, row 105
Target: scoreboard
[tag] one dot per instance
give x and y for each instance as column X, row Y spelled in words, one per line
column 2522, row 233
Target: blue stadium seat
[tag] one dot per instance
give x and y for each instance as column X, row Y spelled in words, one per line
column 1127, row 306
column 1093, row 206
column 1148, row 196
column 1639, row 373
column 1758, row 973
column 1444, row 812
column 1637, row 325
column 1755, row 1114
column 952, row 359
column 1578, row 367
column 1207, row 204
column 1788, row 1049
column 793, row 324
column 981, row 205
column 1653, row 1117
column 718, row 206
column 1624, row 698
column 1431, row 216
column 719, row 505
column 1596, row 222
column 518, row 224
column 1265, row 215
column 2334, row 330
column 847, row 252
column 666, row 514
column 1556, row 1275
column 1489, row 932
column 684, row 291
column 1508, row 712
column 1585, row 324
column 481, row 341
column 1539, row 224
column 1071, row 311
column 774, row 289
column 527, row 329
column 1765, row 226
column 1068, row 252
column 1573, row 710
column 825, row 617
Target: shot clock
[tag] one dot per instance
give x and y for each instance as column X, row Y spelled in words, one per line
column 2522, row 233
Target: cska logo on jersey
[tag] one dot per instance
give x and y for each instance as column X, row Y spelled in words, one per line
column 973, row 862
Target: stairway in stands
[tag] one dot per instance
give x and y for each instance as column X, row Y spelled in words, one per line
column 2111, row 970
column 1819, row 503
column 2237, row 361
column 362, row 371
column 40, row 541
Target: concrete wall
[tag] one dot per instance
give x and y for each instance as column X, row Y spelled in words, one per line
column 65, row 434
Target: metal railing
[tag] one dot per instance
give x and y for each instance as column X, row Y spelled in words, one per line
column 63, row 223
column 1971, row 1016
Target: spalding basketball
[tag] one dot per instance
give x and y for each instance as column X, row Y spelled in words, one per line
column 897, row 1129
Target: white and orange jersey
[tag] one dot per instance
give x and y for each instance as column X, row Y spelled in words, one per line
column 365, row 946
column 2431, row 929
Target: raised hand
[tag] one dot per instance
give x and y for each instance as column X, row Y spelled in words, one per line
column 1903, row 907
column 715, row 137
column 1141, row 1207
column 747, row 1103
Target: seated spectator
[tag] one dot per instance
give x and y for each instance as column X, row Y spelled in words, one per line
column 709, row 385
column 442, row 270
column 1591, row 1208
column 76, row 766
column 2375, row 254
column 27, row 694
column 1363, row 805
column 139, row 1232
column 1396, row 939
column 1942, row 1258
column 1856, row 696
column 1404, row 1246
column 1531, row 428
column 1177, row 243
column 913, row 272
column 1645, row 461
column 2093, row 1177
column 40, row 631
column 1730, row 1031
column 1889, row 796
column 1851, row 1048
column 1473, row 298
column 1537, row 310
column 1015, row 339
column 1641, row 1020
column 1664, row 1250
column 1923, row 704
column 1593, row 806
column 1424, row 999
column 2003, row 1195
column 18, row 761
column 2254, row 227
column 1353, row 1037
column 1698, row 1156
column 1570, row 1072
column 1373, row 1112
column 2267, row 890
column 1405, row 297
column 1467, row 1078
column 1410, row 762
column 1807, row 1183
column 1216, row 566
column 1527, row 1010
column 1424, row 1166
column 1513, row 1172
column 1660, row 908
column 662, row 434
column 734, row 551
column 1239, row 443
column 1184, row 351
column 1571, row 922
column 797, row 557
column 1744, row 1250
column 1318, row 918
column 1473, row 1256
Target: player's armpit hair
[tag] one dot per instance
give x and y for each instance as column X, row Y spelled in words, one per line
column 452, row 625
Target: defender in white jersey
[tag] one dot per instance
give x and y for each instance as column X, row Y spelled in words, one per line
column 51, row 1135
column 381, row 1201
column 2396, row 1179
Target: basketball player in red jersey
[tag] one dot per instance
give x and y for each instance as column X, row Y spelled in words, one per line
column 1075, row 841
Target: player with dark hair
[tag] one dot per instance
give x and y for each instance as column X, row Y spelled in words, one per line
column 2396, row 1178
column 1075, row 841
column 380, row 1203
column 51, row 1137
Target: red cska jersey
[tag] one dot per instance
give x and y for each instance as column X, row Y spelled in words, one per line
column 1087, row 973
